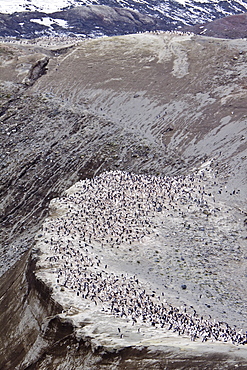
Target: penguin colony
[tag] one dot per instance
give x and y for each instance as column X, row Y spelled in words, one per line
column 115, row 209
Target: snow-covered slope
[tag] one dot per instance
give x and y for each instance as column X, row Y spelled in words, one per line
column 47, row 6
column 185, row 11
column 90, row 18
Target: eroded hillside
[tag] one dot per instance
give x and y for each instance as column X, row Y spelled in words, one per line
column 145, row 103
column 160, row 104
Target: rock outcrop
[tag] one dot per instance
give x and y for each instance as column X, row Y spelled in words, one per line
column 37, row 70
column 34, row 335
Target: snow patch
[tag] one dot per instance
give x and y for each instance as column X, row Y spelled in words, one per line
column 47, row 6
column 49, row 22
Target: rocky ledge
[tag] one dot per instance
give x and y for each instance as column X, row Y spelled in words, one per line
column 102, row 287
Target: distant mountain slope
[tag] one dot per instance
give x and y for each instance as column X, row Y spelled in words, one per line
column 85, row 21
column 185, row 11
column 43, row 17
column 232, row 27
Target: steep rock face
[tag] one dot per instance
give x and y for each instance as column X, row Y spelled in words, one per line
column 36, row 71
column 25, row 304
column 34, row 336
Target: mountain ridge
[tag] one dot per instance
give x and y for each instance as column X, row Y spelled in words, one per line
column 156, row 15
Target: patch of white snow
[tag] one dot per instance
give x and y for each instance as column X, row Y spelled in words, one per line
column 47, row 21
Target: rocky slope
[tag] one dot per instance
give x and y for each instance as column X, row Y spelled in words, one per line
column 153, row 103
column 177, row 11
column 27, row 19
column 85, row 21
column 231, row 27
